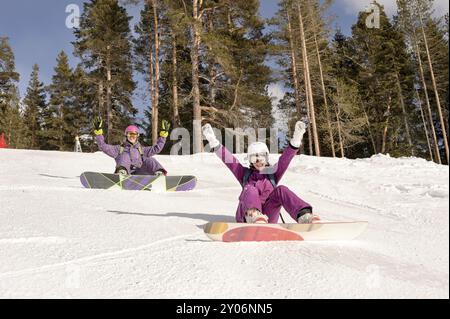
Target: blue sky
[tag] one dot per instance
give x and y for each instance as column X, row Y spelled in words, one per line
column 38, row 32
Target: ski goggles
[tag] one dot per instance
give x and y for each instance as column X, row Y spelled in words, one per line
column 260, row 157
column 132, row 134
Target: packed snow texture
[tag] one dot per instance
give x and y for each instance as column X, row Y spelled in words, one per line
column 59, row 240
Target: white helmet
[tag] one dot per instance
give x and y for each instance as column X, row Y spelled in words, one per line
column 258, row 148
column 257, row 151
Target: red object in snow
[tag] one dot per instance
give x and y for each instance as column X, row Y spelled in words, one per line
column 2, row 141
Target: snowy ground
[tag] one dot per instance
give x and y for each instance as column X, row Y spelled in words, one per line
column 60, row 240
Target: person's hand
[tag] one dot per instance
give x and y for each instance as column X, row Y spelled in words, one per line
column 208, row 133
column 300, row 129
column 165, row 127
column 98, row 125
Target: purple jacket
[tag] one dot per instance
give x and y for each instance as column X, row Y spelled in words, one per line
column 130, row 156
column 256, row 179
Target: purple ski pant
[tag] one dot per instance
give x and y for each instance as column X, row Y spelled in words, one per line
column 149, row 167
column 281, row 196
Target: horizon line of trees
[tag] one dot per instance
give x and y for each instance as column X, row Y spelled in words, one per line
column 377, row 90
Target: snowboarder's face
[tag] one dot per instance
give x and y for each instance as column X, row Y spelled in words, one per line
column 259, row 161
column 132, row 137
column 259, row 165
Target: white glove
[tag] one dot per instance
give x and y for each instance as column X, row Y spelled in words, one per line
column 300, row 129
column 208, row 133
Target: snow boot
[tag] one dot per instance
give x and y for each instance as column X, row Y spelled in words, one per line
column 254, row 216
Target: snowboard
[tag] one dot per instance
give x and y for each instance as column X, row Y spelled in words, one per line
column 240, row 232
column 159, row 183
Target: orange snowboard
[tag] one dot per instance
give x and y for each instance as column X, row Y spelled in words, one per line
column 237, row 232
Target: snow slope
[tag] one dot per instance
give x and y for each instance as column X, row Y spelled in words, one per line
column 60, row 240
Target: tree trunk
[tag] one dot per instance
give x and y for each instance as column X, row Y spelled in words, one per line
column 33, row 132
column 374, row 145
column 405, row 115
column 433, row 80
column 427, row 100
column 211, row 62
column 154, row 111
column 155, row 106
column 308, row 112
column 176, row 115
column 338, row 119
column 341, row 142
column 308, row 79
column 109, row 114
column 295, row 76
column 308, row 108
column 236, row 91
column 424, row 124
column 325, row 100
column 294, row 66
column 61, row 133
column 197, row 114
column 386, row 126
column 101, row 103
column 8, row 135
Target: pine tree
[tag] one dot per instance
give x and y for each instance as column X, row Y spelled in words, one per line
column 11, row 123
column 320, row 35
column 286, row 48
column 173, row 91
column 436, row 74
column 147, row 50
column 350, row 121
column 428, row 29
column 60, row 133
column 302, row 35
column 428, row 39
column 351, row 127
column 404, row 77
column 228, row 68
column 384, row 83
column 35, row 110
column 228, row 76
column 8, row 76
column 235, row 71
column 103, row 44
column 176, row 102
column 301, row 10
column 81, row 112
column 197, row 25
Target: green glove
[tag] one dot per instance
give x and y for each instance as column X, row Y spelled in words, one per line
column 165, row 127
column 98, row 123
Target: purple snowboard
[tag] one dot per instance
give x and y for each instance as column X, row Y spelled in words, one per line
column 138, row 182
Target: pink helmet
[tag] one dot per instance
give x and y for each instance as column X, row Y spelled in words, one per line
column 132, row 128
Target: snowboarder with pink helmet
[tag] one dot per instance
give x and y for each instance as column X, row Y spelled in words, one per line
column 132, row 158
column 261, row 198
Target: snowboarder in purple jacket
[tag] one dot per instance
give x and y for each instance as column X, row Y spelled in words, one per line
column 131, row 158
column 261, row 198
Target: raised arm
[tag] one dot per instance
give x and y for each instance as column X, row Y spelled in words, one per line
column 110, row 150
column 155, row 149
column 284, row 161
column 224, row 154
column 231, row 162
column 290, row 151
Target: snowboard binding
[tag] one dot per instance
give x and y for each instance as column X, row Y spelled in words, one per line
column 121, row 171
